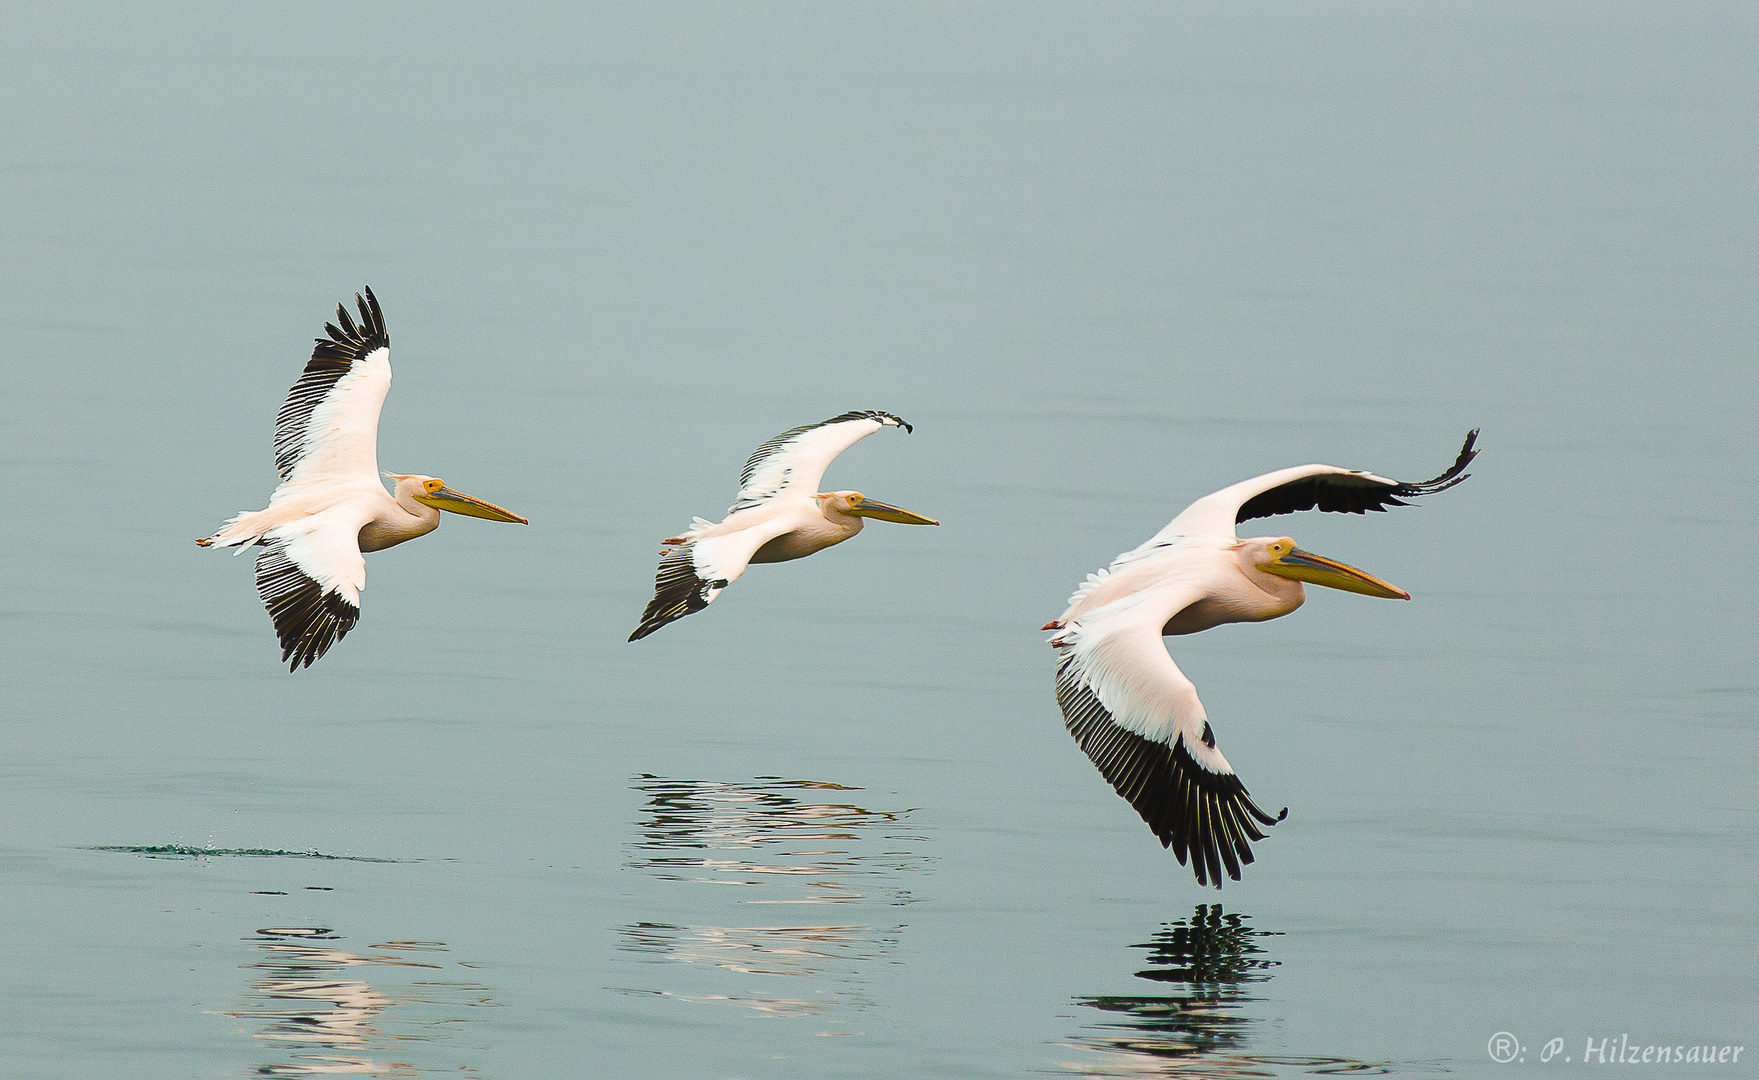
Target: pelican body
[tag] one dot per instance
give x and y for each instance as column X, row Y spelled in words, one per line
column 1127, row 703
column 779, row 515
column 331, row 505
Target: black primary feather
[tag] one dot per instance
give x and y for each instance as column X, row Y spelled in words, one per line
column 331, row 358
column 308, row 620
column 1352, row 493
column 1208, row 816
column 677, row 592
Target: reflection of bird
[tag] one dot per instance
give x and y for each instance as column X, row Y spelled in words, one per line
column 788, row 846
column 331, row 505
column 780, row 515
column 328, row 1022
column 1198, row 1020
column 1127, row 703
column 1202, row 968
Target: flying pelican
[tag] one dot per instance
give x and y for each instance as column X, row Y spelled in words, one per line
column 1134, row 712
column 779, row 515
column 331, row 505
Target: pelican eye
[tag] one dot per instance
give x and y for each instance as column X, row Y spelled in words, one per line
column 434, row 485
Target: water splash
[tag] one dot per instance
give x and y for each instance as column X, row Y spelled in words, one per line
column 183, row 851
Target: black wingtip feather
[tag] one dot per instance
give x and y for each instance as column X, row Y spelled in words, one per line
column 349, row 340
column 1456, row 473
column 332, row 358
column 1327, row 494
column 678, row 592
column 1205, row 819
column 307, row 619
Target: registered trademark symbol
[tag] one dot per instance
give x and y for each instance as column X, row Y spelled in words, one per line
column 1504, row 1047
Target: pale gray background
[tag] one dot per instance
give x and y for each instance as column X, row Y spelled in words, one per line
column 1107, row 257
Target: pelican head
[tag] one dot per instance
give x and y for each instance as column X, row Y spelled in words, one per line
column 1280, row 556
column 432, row 491
column 855, row 504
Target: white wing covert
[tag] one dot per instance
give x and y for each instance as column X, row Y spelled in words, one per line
column 329, row 425
column 796, row 459
column 694, row 572
column 310, row 576
column 1138, row 718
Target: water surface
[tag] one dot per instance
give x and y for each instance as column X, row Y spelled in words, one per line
column 1105, row 258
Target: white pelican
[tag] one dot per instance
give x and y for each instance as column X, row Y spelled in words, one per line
column 779, row 515
column 331, row 505
column 1130, row 707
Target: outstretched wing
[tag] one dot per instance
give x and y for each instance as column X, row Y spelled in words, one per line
column 796, row 459
column 329, row 424
column 694, row 572
column 1138, row 718
column 309, row 577
column 1308, row 487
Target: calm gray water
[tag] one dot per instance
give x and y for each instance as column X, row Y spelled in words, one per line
column 1107, row 258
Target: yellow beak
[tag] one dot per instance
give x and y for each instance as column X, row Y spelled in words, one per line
column 456, row 502
column 883, row 512
column 1301, row 565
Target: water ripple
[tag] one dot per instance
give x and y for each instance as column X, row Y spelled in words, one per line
column 182, row 851
column 1197, row 1021
column 776, row 842
column 316, row 1006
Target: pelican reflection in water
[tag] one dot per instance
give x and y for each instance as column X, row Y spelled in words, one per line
column 1196, row 1019
column 1201, row 970
column 318, row 1007
column 785, row 846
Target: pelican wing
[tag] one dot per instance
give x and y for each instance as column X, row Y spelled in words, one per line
column 329, row 424
column 1138, row 718
column 695, row 571
column 309, row 576
column 796, row 459
column 1307, row 487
